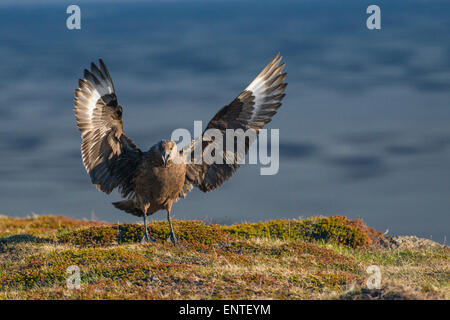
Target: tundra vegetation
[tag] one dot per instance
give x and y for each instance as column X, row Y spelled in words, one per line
column 312, row 258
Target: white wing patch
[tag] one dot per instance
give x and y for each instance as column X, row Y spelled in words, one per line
column 86, row 98
column 264, row 86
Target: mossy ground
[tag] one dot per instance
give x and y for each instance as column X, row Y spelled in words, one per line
column 314, row 258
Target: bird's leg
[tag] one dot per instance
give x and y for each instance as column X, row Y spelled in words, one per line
column 146, row 238
column 172, row 237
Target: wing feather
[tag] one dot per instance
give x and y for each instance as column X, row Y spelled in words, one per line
column 252, row 109
column 109, row 156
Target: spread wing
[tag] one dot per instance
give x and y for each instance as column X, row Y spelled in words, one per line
column 252, row 109
column 109, row 156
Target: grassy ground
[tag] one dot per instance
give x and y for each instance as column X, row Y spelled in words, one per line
column 315, row 258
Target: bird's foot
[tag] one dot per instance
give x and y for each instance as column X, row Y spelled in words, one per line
column 172, row 238
column 147, row 238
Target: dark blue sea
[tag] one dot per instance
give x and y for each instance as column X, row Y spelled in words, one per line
column 364, row 128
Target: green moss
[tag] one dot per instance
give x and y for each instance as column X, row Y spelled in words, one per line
column 49, row 269
column 338, row 230
column 323, row 229
column 29, row 278
column 38, row 225
column 93, row 236
column 130, row 233
column 189, row 231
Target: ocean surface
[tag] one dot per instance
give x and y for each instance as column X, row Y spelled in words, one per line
column 364, row 128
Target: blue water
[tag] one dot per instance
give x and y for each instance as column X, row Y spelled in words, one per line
column 364, row 129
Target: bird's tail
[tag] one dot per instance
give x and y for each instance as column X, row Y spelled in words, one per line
column 129, row 206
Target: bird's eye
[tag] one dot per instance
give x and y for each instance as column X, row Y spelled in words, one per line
column 119, row 112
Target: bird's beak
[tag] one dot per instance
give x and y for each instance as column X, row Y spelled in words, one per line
column 165, row 158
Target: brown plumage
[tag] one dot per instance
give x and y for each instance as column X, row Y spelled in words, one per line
column 155, row 179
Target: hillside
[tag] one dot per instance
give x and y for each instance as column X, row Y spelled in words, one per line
column 314, row 258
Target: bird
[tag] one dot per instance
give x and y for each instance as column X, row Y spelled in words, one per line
column 154, row 180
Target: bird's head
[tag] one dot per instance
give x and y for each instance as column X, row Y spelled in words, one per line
column 168, row 151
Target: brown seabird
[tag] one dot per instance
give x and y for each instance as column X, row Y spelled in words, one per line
column 155, row 179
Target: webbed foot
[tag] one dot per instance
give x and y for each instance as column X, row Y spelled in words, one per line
column 172, row 238
column 147, row 238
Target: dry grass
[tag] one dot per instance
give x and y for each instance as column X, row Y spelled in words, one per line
column 315, row 258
